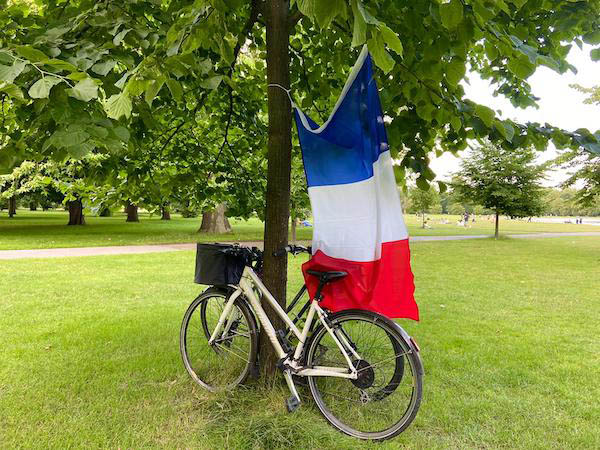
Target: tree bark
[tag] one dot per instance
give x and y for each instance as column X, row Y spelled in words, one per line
column 12, row 206
column 215, row 221
column 277, row 212
column 423, row 218
column 32, row 206
column 76, row 216
column 497, row 220
column 165, row 214
column 132, row 213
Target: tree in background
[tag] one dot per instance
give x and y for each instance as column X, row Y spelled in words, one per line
column 504, row 180
column 422, row 200
column 586, row 165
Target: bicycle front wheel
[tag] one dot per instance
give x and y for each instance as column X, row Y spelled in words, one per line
column 228, row 361
column 385, row 398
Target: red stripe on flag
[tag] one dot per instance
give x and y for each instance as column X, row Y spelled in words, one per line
column 385, row 286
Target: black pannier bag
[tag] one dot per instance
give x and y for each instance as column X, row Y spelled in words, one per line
column 215, row 267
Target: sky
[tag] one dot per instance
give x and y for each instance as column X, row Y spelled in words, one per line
column 559, row 105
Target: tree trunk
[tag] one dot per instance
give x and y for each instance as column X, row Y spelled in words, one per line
column 497, row 219
column 132, row 213
column 32, row 206
column 12, row 206
column 76, row 216
column 423, row 218
column 215, row 221
column 165, row 214
column 277, row 212
column 105, row 212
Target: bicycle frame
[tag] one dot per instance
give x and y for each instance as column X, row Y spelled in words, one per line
column 251, row 281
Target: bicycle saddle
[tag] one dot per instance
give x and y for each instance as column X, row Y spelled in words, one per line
column 327, row 276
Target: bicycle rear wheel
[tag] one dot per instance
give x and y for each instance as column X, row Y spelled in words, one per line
column 385, row 398
column 227, row 362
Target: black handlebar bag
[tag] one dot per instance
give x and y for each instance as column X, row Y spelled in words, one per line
column 215, row 267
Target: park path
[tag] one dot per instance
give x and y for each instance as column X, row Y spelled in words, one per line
column 159, row 248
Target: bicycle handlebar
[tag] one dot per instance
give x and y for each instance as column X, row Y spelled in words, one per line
column 293, row 249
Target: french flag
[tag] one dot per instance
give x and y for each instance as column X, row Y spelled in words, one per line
column 358, row 222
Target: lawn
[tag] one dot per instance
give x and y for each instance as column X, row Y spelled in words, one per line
column 48, row 230
column 509, row 340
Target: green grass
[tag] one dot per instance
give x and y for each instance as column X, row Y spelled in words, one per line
column 48, row 230
column 508, row 336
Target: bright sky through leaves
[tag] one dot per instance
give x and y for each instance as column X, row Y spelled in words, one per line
column 559, row 104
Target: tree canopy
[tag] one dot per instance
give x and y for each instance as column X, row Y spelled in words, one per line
column 84, row 76
column 505, row 181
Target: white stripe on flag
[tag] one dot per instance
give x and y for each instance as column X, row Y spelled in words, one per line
column 353, row 220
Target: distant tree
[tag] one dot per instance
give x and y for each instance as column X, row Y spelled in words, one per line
column 422, row 200
column 505, row 181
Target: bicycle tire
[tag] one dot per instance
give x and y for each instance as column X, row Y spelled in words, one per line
column 399, row 339
column 252, row 332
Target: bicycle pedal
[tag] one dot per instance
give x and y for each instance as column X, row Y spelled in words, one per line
column 292, row 404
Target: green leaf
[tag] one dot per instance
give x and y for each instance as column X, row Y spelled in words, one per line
column 9, row 73
column 592, row 38
column 521, row 67
column 456, row 123
column 6, row 57
column 359, row 33
column 152, row 89
column 13, row 92
column 548, row 62
column 392, row 39
column 119, row 37
column 365, row 14
column 490, row 50
column 451, row 14
column 505, row 129
column 325, row 12
column 455, row 71
column 382, row 58
column 30, row 53
column 175, row 88
column 595, row 54
column 102, row 68
column 122, row 133
column 61, row 65
column 422, row 183
column 41, row 88
column 80, row 150
column 85, row 90
column 118, row 105
column 212, row 83
column 485, row 114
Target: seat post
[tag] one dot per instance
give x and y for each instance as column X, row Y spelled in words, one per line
column 322, row 284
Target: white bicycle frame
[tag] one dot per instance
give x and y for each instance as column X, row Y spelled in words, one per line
column 248, row 283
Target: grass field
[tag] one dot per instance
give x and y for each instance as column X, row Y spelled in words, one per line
column 48, row 230
column 508, row 336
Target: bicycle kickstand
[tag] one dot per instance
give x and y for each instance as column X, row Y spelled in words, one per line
column 292, row 403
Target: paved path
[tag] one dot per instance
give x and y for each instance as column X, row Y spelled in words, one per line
column 159, row 248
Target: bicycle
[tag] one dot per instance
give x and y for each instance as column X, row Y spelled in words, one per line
column 363, row 370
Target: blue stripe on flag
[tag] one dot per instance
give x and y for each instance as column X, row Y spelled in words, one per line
column 345, row 150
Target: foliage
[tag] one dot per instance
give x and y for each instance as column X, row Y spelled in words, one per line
column 505, row 181
column 80, row 75
column 586, row 166
column 566, row 202
column 422, row 201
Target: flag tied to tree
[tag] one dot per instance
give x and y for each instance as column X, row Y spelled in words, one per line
column 358, row 222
